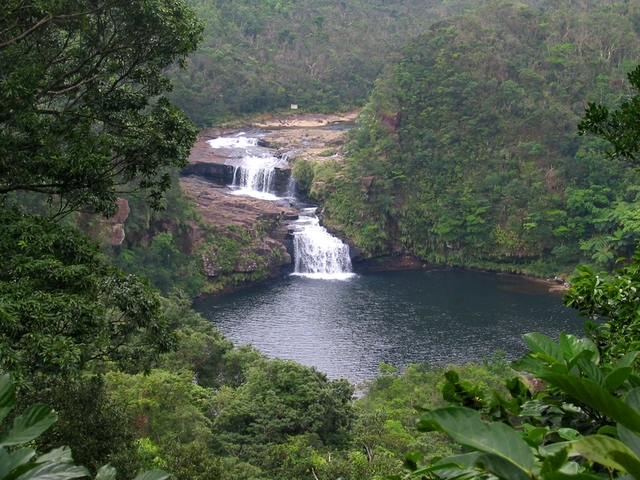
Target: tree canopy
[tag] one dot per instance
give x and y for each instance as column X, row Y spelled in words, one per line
column 468, row 152
column 62, row 306
column 81, row 111
column 82, row 117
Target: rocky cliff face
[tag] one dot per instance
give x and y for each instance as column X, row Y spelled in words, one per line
column 240, row 238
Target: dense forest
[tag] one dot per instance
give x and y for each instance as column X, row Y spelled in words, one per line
column 468, row 152
column 258, row 56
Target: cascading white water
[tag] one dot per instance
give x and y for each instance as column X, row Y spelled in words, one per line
column 291, row 187
column 317, row 253
column 254, row 176
column 239, row 141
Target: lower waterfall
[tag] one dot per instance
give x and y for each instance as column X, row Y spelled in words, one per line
column 317, row 253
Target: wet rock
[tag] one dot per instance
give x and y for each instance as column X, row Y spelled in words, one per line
column 238, row 218
column 211, row 268
column 246, row 265
column 286, row 257
column 354, row 252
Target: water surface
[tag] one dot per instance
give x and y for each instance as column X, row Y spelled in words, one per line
column 347, row 328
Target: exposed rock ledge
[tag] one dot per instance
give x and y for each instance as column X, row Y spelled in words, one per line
column 254, row 230
column 314, row 137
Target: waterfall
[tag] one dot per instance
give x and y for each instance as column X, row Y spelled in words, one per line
column 253, row 170
column 317, row 253
column 254, row 176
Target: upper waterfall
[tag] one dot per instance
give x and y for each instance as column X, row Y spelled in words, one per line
column 237, row 141
column 254, row 169
column 254, row 176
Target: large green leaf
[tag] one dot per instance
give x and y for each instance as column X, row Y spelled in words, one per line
column 529, row 364
column 627, row 437
column 54, row 471
column 106, row 472
column 544, row 347
column 590, row 393
column 153, row 475
column 628, row 460
column 7, row 396
column 456, row 466
column 569, row 433
column 60, row 455
column 35, row 420
column 592, row 371
column 567, row 476
column 501, row 468
column 11, row 461
column 572, row 346
column 609, row 452
column 582, row 356
column 554, row 462
column 464, row 426
column 627, row 360
column 616, row 378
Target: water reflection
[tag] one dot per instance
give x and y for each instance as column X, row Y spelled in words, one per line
column 347, row 329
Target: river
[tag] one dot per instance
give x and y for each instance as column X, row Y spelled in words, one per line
column 347, row 328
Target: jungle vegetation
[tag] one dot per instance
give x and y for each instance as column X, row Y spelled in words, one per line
column 470, row 153
column 260, row 56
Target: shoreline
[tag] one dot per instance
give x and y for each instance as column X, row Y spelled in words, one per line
column 410, row 262
column 396, row 264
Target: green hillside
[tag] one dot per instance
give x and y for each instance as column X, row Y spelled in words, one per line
column 324, row 55
column 468, row 151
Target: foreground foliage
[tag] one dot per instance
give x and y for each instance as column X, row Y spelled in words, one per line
column 22, row 463
column 589, row 411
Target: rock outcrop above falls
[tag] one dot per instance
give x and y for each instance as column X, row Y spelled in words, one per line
column 208, row 163
column 241, row 238
column 218, row 165
column 313, row 137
